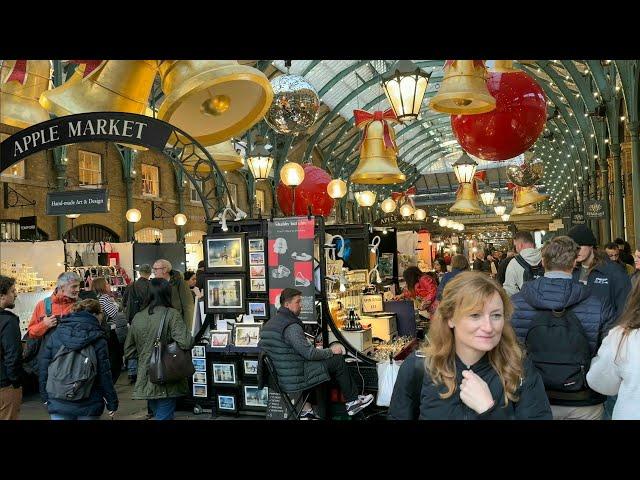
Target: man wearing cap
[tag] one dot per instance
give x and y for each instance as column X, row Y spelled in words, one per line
column 606, row 280
column 133, row 300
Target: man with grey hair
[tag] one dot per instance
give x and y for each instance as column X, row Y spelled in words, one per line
column 562, row 324
column 49, row 310
column 181, row 298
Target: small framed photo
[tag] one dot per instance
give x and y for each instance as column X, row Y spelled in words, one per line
column 224, row 373
column 255, row 398
column 250, row 367
column 256, row 258
column 256, row 245
column 258, row 309
column 225, row 294
column 199, row 390
column 224, row 253
column 246, row 335
column 256, row 271
column 200, row 377
column 226, row 403
column 220, row 338
column 258, row 284
column 200, row 364
column 198, row 351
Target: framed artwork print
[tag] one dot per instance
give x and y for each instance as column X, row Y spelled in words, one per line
column 225, row 253
column 225, row 294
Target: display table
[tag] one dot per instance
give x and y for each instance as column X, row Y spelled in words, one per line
column 382, row 326
column 26, row 304
column 361, row 340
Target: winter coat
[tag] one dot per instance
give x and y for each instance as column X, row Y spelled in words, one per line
column 609, row 282
column 60, row 306
column 75, row 332
column 405, row 400
column 295, row 372
column 514, row 274
column 502, row 269
column 546, row 293
column 634, row 278
column 481, row 265
column 446, row 279
column 139, row 288
column 532, row 401
column 11, row 372
column 200, row 280
column 181, row 298
column 139, row 344
column 426, row 289
column 618, row 375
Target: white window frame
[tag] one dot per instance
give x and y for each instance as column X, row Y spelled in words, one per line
column 17, row 169
column 193, row 193
column 156, row 181
column 92, row 156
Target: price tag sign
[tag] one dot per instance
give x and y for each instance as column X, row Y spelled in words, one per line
column 372, row 303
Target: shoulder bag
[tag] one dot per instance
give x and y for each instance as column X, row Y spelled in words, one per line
column 169, row 363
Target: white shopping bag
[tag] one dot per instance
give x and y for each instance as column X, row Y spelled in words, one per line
column 387, row 374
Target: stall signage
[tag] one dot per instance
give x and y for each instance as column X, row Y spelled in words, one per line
column 78, row 201
column 594, row 208
column 85, row 127
column 28, row 228
column 372, row 303
column 388, row 220
column 577, row 219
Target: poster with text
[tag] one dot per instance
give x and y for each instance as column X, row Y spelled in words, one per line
column 290, row 262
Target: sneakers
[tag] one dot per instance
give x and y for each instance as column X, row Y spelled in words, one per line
column 281, row 272
column 358, row 405
column 309, row 415
column 301, row 281
column 280, row 246
column 301, row 256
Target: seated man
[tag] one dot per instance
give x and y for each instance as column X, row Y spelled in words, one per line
column 301, row 366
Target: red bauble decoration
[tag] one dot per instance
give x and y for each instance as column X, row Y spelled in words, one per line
column 514, row 125
column 312, row 191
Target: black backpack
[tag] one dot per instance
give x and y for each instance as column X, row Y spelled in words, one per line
column 72, row 373
column 530, row 272
column 559, row 348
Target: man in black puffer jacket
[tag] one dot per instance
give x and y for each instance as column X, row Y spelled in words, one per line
column 557, row 291
column 11, row 373
column 75, row 331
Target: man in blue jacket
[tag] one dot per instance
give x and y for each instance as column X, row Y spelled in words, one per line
column 605, row 279
column 557, row 291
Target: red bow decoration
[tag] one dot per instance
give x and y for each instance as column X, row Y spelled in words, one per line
column 397, row 196
column 366, row 118
column 91, row 65
column 482, row 176
column 18, row 73
column 511, row 186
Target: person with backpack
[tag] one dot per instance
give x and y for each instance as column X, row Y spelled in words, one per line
column 562, row 325
column 472, row 367
column 135, row 297
column 75, row 373
column 48, row 311
column 605, row 279
column 11, row 373
column 525, row 266
column 161, row 399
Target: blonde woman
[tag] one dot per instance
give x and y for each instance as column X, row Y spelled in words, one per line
column 472, row 365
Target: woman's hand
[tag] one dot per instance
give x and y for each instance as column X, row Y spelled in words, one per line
column 475, row 393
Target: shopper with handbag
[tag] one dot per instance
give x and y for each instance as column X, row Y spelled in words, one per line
column 141, row 342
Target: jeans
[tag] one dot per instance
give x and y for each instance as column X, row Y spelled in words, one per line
column 132, row 366
column 162, row 408
column 60, row 416
column 338, row 370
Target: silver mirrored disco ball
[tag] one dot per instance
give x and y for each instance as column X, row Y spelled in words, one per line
column 527, row 173
column 295, row 104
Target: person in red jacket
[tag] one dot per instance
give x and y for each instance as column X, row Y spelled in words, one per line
column 419, row 286
column 64, row 297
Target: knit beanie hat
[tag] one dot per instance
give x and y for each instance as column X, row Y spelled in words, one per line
column 583, row 236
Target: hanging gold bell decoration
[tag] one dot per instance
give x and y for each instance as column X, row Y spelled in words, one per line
column 21, row 84
column 521, row 210
column 467, row 199
column 378, row 150
column 463, row 90
column 226, row 156
column 114, row 86
column 524, row 196
column 213, row 100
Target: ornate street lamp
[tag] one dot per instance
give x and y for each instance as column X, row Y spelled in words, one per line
column 405, row 86
column 464, row 168
column 260, row 160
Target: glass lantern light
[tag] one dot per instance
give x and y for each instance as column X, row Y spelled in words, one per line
column 464, row 168
column 405, row 86
column 260, row 160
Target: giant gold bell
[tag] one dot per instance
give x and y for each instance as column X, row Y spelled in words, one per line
column 213, row 100
column 378, row 164
column 225, row 156
column 19, row 102
column 522, row 210
column 524, row 196
column 115, row 86
column 466, row 200
column 463, row 90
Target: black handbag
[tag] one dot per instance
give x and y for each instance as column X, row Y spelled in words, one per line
column 169, row 363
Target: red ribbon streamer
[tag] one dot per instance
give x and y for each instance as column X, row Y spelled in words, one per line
column 91, row 65
column 19, row 72
column 364, row 117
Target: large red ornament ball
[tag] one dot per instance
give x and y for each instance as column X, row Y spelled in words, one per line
column 514, row 125
column 312, row 191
